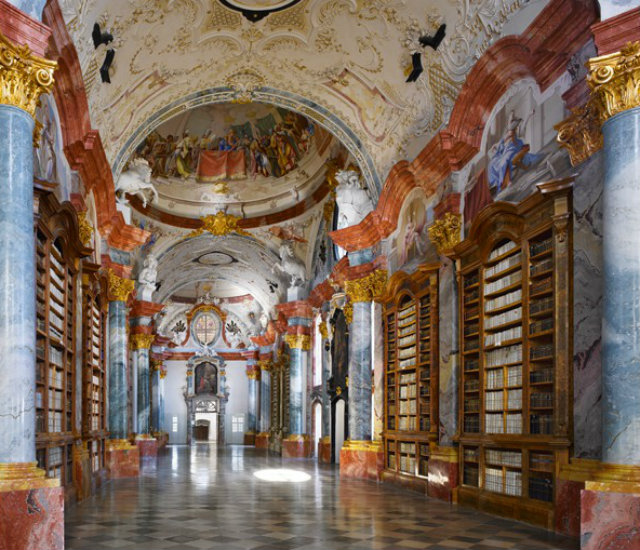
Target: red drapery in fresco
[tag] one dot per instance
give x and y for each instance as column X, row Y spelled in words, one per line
column 477, row 198
column 219, row 165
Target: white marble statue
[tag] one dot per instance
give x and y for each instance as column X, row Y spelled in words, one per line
column 147, row 279
column 136, row 181
column 353, row 201
column 291, row 266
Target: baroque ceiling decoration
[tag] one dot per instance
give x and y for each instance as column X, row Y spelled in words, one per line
column 344, row 57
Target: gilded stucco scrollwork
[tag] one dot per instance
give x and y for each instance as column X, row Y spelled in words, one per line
column 445, row 233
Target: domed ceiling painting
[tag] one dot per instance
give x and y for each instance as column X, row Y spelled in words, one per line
column 248, row 159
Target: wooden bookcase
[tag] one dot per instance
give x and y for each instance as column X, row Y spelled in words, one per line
column 515, row 343
column 411, row 375
column 58, row 252
column 95, row 307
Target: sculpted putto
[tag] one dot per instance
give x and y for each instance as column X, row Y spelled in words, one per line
column 353, row 201
column 147, row 279
column 136, row 181
column 290, row 265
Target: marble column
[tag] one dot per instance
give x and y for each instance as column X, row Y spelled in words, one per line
column 361, row 457
column 262, row 439
column 123, row 459
column 621, row 270
column 297, row 444
column 155, row 394
column 23, row 78
column 324, row 444
column 253, row 379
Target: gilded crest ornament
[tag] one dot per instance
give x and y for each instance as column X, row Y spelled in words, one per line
column 219, row 225
column 445, row 232
column 85, row 229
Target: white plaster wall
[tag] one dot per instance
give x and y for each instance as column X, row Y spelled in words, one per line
column 174, row 404
column 238, row 387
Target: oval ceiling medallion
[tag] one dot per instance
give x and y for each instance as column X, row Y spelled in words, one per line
column 254, row 10
column 216, row 258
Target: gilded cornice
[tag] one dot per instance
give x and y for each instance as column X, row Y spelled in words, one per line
column 119, row 288
column 24, row 76
column 445, row 232
column 85, row 229
column 614, row 80
column 580, row 133
column 298, row 341
column 219, row 225
column 141, row 341
column 367, row 288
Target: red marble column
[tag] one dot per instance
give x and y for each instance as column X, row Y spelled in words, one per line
column 123, row 459
column 31, row 508
column 610, row 516
column 362, row 460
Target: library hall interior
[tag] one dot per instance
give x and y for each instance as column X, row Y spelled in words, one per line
column 320, row 274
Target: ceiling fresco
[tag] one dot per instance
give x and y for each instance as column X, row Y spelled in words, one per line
column 341, row 62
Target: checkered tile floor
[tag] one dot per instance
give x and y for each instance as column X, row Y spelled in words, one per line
column 206, row 497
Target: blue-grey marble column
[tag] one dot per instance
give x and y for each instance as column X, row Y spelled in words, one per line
column 253, row 375
column 161, row 422
column 155, row 398
column 17, row 288
column 621, row 298
column 360, row 373
column 118, row 412
column 326, row 374
column 133, row 365
column 265, row 398
column 299, row 360
column 144, row 403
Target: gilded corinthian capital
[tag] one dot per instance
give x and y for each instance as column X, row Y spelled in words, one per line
column 298, row 341
column 580, row 133
column 24, row 77
column 367, row 288
column 141, row 341
column 119, row 288
column 445, row 232
column 614, row 80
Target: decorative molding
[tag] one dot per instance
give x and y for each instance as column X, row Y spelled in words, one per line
column 298, row 341
column 614, row 81
column 219, row 225
column 580, row 133
column 445, row 233
column 119, row 288
column 265, row 364
column 24, row 76
column 85, row 229
column 141, row 341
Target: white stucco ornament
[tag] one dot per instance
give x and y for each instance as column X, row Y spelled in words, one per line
column 291, row 266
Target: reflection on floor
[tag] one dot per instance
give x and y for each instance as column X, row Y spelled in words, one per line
column 206, row 497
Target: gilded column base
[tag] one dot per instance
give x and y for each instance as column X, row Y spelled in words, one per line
column 31, row 508
column 362, row 460
column 262, row 440
column 324, row 450
column 296, row 446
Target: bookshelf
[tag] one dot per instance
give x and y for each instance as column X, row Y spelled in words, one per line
column 58, row 252
column 94, row 333
column 514, row 282
column 411, row 375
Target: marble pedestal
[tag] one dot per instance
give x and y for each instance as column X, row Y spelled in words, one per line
column 262, row 440
column 610, row 516
column 567, row 506
column 148, row 449
column 298, row 446
column 162, row 438
column 362, row 460
column 31, row 508
column 443, row 473
column 324, row 450
column 250, row 438
column 123, row 459
column 82, row 471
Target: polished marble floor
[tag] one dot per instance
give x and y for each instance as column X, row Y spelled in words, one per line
column 207, row 497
